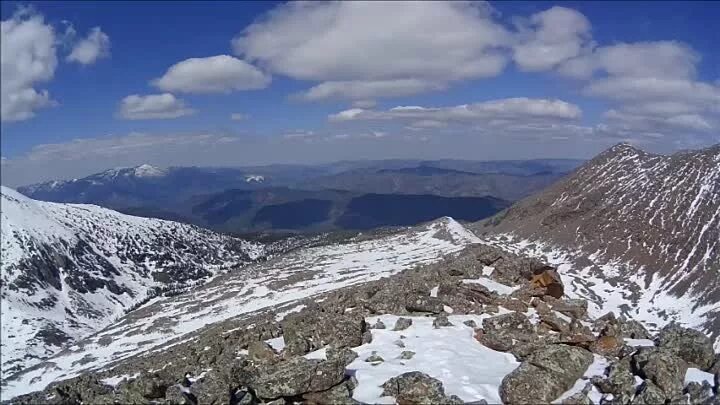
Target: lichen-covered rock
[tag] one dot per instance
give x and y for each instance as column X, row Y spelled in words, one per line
column 297, row 376
column 649, row 394
column 581, row 398
column 545, row 375
column 378, row 325
column 633, row 329
column 339, row 394
column 619, row 381
column 421, row 303
column 688, row 344
column 441, row 320
column 663, row 368
column 213, row 389
column 415, row 388
column 698, row 393
column 313, row 328
column 574, row 308
column 402, row 324
column 374, row 358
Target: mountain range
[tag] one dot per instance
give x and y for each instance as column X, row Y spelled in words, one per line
column 512, row 308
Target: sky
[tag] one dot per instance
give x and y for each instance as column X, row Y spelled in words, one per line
column 89, row 86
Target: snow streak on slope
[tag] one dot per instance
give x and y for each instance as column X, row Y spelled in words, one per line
column 642, row 226
column 283, row 280
column 69, row 270
column 608, row 286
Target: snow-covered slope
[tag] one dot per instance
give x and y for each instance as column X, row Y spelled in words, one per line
column 69, row 270
column 280, row 281
column 636, row 232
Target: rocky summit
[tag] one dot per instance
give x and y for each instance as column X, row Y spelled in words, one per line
column 468, row 327
column 436, row 313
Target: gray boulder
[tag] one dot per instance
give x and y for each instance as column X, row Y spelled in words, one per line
column 297, row 376
column 421, row 303
column 339, row 394
column 649, row 394
column 619, row 382
column 663, row 368
column 402, row 323
column 688, row 344
column 697, row 393
column 262, row 352
column 545, row 375
column 633, row 329
column 441, row 320
column 415, row 388
column 312, row 329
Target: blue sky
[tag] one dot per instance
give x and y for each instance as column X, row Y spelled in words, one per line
column 641, row 72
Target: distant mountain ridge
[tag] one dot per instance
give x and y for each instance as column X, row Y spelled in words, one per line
column 68, row 270
column 647, row 223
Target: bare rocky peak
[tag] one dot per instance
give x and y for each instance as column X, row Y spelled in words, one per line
column 658, row 215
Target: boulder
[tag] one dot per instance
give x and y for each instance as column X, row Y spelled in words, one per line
column 608, row 346
column 212, row 389
column 619, row 381
column 415, row 388
column 663, row 368
column 581, row 398
column 441, row 321
column 312, row 329
column 421, row 303
column 574, row 308
column 649, row 394
column 545, row 375
column 697, row 393
column 632, row 329
column 339, row 394
column 297, row 376
column 688, row 344
column 402, row 323
column 378, row 325
column 548, row 281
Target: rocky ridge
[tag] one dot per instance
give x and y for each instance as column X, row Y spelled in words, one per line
column 632, row 231
column 477, row 326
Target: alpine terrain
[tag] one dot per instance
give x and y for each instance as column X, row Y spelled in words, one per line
column 69, row 270
column 633, row 232
column 555, row 300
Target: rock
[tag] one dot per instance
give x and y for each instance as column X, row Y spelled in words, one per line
column 548, row 281
column 339, row 394
column 402, row 323
column 715, row 368
column 407, row 355
column 608, row 346
column 633, row 329
column 212, row 389
column 503, row 332
column 374, row 358
column 470, row 323
column 262, row 352
column 545, row 375
column 344, row 355
column 312, row 329
column 688, row 344
column 150, row 386
column 378, row 325
column 415, row 388
column 399, row 343
column 574, row 308
column 663, row 368
column 649, row 394
column 620, row 381
column 554, row 322
column 441, row 321
column 514, row 304
column 581, row 398
column 297, row 376
column 424, row 304
column 175, row 394
column 698, row 393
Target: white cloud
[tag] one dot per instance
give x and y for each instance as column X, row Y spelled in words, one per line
column 214, row 74
column 551, row 37
column 509, row 110
column 153, row 106
column 88, row 50
column 359, row 89
column 28, row 58
column 364, row 103
column 341, row 44
column 660, row 59
column 238, row 116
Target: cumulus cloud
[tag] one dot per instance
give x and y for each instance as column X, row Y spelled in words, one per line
column 550, row 38
column 153, row 106
column 28, row 58
column 214, row 74
column 503, row 110
column 422, row 46
column 88, row 50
